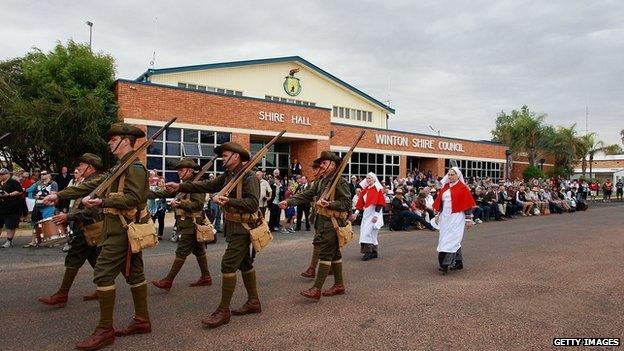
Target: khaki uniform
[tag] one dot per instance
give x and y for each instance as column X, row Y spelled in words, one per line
column 130, row 201
column 79, row 217
column 240, row 211
column 326, row 237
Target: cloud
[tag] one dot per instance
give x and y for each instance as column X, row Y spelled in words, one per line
column 450, row 64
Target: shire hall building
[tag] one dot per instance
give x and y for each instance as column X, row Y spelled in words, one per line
column 249, row 102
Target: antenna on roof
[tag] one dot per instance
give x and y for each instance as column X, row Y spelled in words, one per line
column 153, row 61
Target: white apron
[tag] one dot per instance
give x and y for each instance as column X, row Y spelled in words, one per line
column 451, row 226
column 369, row 231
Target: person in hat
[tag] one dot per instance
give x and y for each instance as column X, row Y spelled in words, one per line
column 126, row 199
column 316, row 241
column 188, row 212
column 81, row 250
column 10, row 205
column 240, row 211
column 337, row 206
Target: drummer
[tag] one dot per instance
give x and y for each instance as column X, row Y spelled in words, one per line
column 79, row 217
column 45, row 186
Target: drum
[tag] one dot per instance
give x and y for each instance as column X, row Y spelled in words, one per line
column 46, row 231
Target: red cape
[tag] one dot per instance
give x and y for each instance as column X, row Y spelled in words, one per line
column 461, row 198
column 374, row 198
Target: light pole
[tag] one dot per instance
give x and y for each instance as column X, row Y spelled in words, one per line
column 435, row 130
column 90, row 24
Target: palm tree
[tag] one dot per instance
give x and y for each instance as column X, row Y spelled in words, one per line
column 585, row 144
column 594, row 146
column 565, row 146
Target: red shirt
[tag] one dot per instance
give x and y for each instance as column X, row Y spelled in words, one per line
column 461, row 197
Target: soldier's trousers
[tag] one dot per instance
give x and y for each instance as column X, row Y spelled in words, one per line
column 188, row 244
column 330, row 249
column 79, row 252
column 237, row 256
column 112, row 261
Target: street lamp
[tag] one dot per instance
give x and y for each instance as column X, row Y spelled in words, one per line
column 435, row 130
column 90, row 24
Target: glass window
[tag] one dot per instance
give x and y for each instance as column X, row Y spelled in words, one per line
column 172, row 149
column 191, row 149
column 155, row 149
column 207, row 150
column 153, row 129
column 347, row 113
column 192, row 86
column 173, row 134
column 219, row 165
column 220, row 91
column 201, row 87
column 229, row 92
column 371, row 158
column 238, row 93
column 190, row 136
column 171, row 177
column 355, row 157
column 313, row 104
column 354, row 168
column 270, row 160
column 379, row 169
column 396, row 159
column 207, row 137
column 171, row 162
column 341, row 112
column 211, row 89
column 380, row 159
column 282, row 147
column 335, row 111
column 363, row 169
column 155, row 163
column 395, row 170
column 370, row 116
column 181, row 85
column 223, row 138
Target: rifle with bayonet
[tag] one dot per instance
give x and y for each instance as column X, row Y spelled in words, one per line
column 118, row 170
column 248, row 166
column 338, row 173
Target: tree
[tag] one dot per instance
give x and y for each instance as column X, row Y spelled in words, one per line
column 523, row 131
column 566, row 147
column 56, row 105
column 614, row 149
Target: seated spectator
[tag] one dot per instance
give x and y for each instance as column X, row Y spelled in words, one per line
column 482, row 211
column 523, row 200
column 491, row 200
column 402, row 217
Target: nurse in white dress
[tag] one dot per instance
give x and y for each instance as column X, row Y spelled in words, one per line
column 453, row 206
column 371, row 201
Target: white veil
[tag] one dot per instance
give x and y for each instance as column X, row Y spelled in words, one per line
column 377, row 184
column 445, row 180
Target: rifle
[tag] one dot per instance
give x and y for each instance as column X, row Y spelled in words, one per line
column 116, row 171
column 343, row 164
column 248, row 166
column 4, row 136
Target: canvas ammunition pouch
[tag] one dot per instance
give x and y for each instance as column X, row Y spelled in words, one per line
column 330, row 213
column 182, row 215
column 261, row 235
column 140, row 235
column 93, row 233
column 205, row 232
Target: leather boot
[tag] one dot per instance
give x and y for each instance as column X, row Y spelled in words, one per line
column 139, row 325
column 91, row 297
column 204, row 280
column 336, row 289
column 163, row 284
column 57, row 299
column 218, row 318
column 251, row 306
column 313, row 293
column 101, row 337
column 309, row 273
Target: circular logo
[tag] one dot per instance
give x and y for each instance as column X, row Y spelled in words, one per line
column 292, row 86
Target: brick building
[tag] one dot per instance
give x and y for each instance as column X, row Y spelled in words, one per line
column 250, row 101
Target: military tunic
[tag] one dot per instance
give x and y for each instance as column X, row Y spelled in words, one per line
column 79, row 217
column 328, row 238
column 237, row 256
column 190, row 204
column 114, row 248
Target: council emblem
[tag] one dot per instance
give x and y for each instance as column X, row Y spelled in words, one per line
column 292, row 85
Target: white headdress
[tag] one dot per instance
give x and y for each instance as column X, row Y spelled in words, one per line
column 377, row 184
column 459, row 175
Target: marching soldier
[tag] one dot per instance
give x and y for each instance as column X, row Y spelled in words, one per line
column 311, row 271
column 330, row 257
column 188, row 212
column 81, row 250
column 125, row 201
column 240, row 211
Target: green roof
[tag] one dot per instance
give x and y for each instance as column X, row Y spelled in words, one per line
column 155, row 71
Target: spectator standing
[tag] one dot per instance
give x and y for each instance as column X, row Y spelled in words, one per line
column 44, row 187
column 593, row 189
column 290, row 211
column 353, row 185
column 607, row 189
column 618, row 189
column 265, row 192
column 160, row 208
column 295, row 167
column 11, row 200
column 62, row 179
column 277, row 195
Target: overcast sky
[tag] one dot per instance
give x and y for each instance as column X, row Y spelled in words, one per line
column 453, row 65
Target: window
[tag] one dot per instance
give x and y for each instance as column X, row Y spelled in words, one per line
column 210, row 89
column 351, row 113
column 290, row 101
column 385, row 166
column 479, row 169
column 175, row 143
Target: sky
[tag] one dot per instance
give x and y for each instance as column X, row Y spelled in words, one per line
column 447, row 65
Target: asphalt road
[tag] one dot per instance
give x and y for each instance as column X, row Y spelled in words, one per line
column 525, row 281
